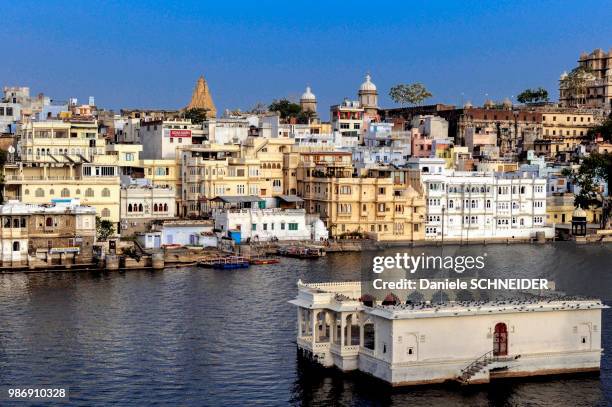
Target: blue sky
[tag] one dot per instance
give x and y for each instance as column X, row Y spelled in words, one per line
column 149, row 54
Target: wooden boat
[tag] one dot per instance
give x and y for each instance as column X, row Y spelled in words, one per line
column 301, row 252
column 264, row 260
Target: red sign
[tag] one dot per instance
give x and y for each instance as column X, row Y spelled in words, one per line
column 180, row 133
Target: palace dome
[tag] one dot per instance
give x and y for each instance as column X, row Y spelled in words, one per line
column 308, row 95
column 579, row 213
column 367, row 85
column 507, row 103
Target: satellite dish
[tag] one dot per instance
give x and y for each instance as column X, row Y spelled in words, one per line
column 11, row 149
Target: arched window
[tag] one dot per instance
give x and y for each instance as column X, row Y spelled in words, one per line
column 52, row 191
column 129, row 207
column 106, row 192
column 15, row 246
column 78, row 192
column 451, row 204
column 49, row 222
column 26, row 192
column 65, row 193
column 139, row 207
column 105, row 213
column 40, row 193
column 16, row 223
column 155, row 208
column 23, row 222
column 165, row 207
column 89, row 192
column 369, row 336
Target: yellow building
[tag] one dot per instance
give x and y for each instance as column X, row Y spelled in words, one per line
column 560, row 209
column 379, row 203
column 95, row 184
column 211, row 170
column 54, row 141
column 566, row 128
column 65, row 159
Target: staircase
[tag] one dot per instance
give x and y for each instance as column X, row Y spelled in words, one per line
column 478, row 370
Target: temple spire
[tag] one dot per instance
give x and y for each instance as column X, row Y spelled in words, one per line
column 202, row 99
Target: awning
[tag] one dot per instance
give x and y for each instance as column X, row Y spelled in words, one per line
column 290, row 198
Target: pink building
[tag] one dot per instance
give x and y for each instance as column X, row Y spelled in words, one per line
column 420, row 143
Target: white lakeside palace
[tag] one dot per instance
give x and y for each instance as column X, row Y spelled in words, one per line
column 470, row 342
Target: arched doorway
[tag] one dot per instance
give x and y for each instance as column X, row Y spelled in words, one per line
column 500, row 340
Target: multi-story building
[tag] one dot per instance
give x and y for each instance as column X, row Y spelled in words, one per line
column 464, row 206
column 64, row 159
column 141, row 204
column 256, row 168
column 60, row 141
column 594, row 89
column 58, row 233
column 377, row 203
column 226, row 130
column 162, row 138
column 564, row 129
column 347, row 118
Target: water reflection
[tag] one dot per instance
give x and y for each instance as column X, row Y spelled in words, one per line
column 209, row 337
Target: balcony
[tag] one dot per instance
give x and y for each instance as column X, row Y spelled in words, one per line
column 345, row 350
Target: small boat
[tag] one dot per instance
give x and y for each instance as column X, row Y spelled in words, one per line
column 225, row 263
column 301, row 252
column 264, row 260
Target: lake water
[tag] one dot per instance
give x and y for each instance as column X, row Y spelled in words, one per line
column 194, row 336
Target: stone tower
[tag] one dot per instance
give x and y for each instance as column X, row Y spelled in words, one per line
column 308, row 101
column 368, row 96
column 202, row 99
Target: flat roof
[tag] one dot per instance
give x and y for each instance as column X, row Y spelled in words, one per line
column 236, row 198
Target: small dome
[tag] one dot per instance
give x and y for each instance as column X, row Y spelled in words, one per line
column 579, row 213
column 563, row 75
column 489, row 103
column 507, row 103
column 367, row 85
column 308, row 95
column 468, row 105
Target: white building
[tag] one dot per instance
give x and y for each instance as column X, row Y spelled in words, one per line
column 226, row 130
column 464, row 206
column 348, row 119
column 161, row 139
column 434, row 127
column 270, row 224
column 410, row 344
column 142, row 204
column 10, row 113
column 179, row 233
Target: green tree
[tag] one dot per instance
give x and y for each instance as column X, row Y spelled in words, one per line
column 104, row 228
column 285, row 108
column 604, row 130
column 412, row 94
column 537, row 95
column 594, row 169
column 197, row 115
